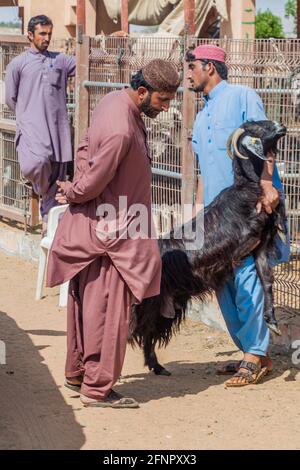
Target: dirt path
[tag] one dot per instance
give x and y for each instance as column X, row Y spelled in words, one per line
column 189, row 410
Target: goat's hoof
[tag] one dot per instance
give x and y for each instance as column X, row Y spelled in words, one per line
column 274, row 328
column 159, row 370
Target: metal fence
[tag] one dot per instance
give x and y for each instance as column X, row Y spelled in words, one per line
column 264, row 65
column 267, row 66
column 106, row 64
column 111, row 64
column 17, row 201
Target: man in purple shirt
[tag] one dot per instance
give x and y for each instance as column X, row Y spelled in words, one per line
column 35, row 86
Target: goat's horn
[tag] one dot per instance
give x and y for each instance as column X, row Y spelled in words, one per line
column 237, row 134
column 228, row 146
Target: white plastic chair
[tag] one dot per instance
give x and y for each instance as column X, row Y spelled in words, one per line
column 45, row 246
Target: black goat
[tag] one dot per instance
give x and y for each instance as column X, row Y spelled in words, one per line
column 233, row 229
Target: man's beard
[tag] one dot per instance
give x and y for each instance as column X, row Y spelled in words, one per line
column 197, row 89
column 147, row 109
column 41, row 47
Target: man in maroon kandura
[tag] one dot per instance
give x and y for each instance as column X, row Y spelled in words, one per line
column 109, row 273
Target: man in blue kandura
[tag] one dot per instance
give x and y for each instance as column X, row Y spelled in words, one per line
column 226, row 107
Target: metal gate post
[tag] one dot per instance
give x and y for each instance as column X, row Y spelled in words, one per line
column 82, row 93
column 187, row 189
column 124, row 16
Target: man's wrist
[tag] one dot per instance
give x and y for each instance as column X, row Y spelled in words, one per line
column 266, row 183
column 67, row 186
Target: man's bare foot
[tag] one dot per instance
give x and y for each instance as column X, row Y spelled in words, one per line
column 266, row 361
column 233, row 366
column 73, row 383
column 74, row 380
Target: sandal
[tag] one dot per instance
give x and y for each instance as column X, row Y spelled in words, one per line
column 73, row 387
column 112, row 400
column 252, row 375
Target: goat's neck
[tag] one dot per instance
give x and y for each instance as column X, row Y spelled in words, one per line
column 241, row 180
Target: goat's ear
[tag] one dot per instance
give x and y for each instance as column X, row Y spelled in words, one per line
column 254, row 145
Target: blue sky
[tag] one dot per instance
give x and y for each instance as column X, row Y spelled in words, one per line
column 8, row 13
column 276, row 6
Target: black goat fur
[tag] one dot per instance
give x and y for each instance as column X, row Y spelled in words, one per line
column 233, row 229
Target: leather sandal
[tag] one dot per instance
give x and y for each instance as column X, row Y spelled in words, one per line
column 73, row 387
column 252, row 375
column 112, row 400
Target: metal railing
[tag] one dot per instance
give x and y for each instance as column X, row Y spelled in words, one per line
column 264, row 65
column 106, row 63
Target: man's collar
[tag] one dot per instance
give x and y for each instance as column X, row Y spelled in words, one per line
column 131, row 103
column 216, row 90
column 32, row 50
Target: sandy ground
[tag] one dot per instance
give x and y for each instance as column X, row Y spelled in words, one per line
column 189, row 410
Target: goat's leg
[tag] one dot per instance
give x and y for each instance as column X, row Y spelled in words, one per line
column 265, row 274
column 151, row 359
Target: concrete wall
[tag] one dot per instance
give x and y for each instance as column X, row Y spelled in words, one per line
column 16, row 243
column 61, row 12
column 104, row 23
column 208, row 313
column 241, row 22
column 63, row 15
column 7, row 3
column 55, row 9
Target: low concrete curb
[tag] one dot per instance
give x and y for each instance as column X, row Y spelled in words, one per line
column 17, row 243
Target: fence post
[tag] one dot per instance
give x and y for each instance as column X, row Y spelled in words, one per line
column 189, row 17
column 124, row 16
column 188, row 179
column 298, row 18
column 34, row 209
column 21, row 16
column 81, row 20
column 82, row 93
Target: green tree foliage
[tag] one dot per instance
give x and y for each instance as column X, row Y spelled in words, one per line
column 290, row 10
column 11, row 24
column 268, row 25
